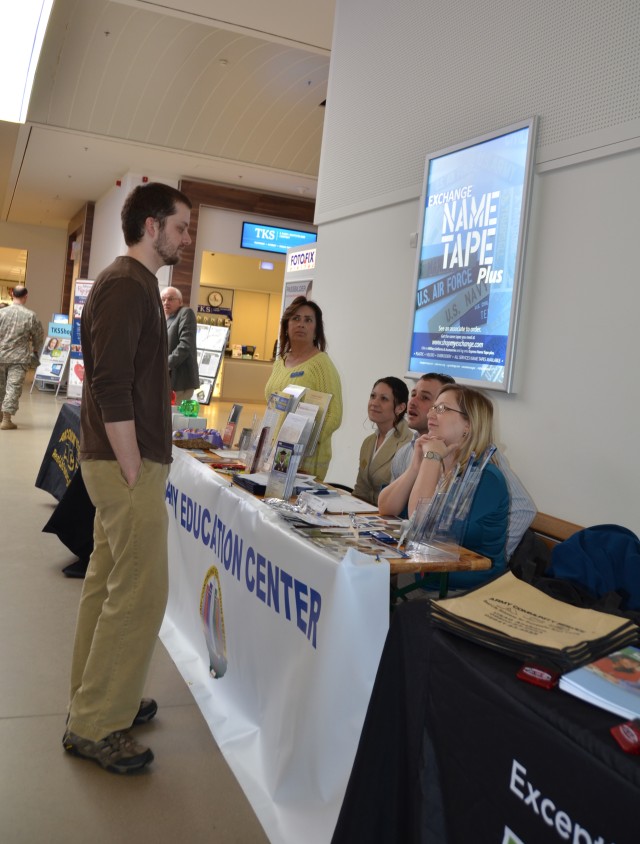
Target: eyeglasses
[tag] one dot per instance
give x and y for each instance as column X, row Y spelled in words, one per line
column 171, row 299
column 439, row 409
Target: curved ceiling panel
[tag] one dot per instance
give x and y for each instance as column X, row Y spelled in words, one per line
column 119, row 71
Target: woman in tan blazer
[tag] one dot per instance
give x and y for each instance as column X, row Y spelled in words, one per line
column 387, row 405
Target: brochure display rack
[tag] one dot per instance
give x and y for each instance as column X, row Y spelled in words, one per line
column 287, row 433
column 211, row 341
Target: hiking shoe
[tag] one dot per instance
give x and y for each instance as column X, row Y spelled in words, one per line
column 147, row 711
column 118, row 752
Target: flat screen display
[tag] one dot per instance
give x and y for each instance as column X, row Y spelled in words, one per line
column 273, row 238
column 474, row 213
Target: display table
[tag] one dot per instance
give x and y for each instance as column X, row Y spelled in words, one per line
column 456, row 749
column 293, row 636
column 278, row 642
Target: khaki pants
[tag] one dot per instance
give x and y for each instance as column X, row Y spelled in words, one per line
column 123, row 598
column 12, row 377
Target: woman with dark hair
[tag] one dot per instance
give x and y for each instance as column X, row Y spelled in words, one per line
column 386, row 409
column 460, row 430
column 303, row 361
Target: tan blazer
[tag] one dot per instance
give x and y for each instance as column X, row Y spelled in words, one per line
column 375, row 470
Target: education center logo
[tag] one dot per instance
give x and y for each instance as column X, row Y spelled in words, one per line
column 213, row 623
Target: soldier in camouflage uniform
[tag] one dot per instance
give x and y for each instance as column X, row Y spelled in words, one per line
column 21, row 336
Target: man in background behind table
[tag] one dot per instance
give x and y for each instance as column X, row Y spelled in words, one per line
column 181, row 330
column 392, row 501
column 21, row 337
column 125, row 451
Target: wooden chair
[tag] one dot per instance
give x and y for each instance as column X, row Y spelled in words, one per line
column 552, row 530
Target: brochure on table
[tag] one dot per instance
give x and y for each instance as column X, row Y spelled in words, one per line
column 282, row 476
column 515, row 618
column 289, row 419
column 232, row 424
column 612, row 683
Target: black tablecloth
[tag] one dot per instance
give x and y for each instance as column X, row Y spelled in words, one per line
column 456, row 749
column 60, row 461
column 60, row 474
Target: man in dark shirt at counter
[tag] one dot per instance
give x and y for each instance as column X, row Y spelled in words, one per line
column 125, row 452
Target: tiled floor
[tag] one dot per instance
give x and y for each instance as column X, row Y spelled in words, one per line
column 188, row 795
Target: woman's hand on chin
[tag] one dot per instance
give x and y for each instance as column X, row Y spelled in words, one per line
column 418, row 449
column 433, row 443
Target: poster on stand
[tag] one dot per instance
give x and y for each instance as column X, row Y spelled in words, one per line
column 211, row 341
column 208, row 363
column 76, row 361
column 54, row 354
column 299, row 271
column 293, row 289
column 471, row 243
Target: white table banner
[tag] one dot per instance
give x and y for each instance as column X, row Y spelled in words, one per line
column 279, row 644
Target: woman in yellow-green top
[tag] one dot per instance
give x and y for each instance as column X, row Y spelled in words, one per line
column 302, row 360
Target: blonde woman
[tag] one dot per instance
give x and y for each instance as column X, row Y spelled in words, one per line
column 460, row 424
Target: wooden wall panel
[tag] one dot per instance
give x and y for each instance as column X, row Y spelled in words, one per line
column 80, row 226
column 231, row 199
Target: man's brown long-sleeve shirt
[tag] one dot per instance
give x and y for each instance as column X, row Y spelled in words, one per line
column 124, row 344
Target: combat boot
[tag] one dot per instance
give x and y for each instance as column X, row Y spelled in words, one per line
column 7, row 424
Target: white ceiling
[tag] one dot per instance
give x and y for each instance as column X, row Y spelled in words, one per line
column 208, row 89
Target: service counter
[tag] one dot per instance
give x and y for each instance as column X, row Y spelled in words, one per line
column 244, row 380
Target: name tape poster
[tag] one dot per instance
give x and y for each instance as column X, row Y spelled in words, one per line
column 472, row 233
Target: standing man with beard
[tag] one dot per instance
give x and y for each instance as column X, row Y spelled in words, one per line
column 125, row 451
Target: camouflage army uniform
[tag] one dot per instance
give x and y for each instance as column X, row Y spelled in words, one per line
column 21, row 337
